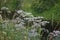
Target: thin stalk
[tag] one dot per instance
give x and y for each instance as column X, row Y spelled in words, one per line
column 52, row 19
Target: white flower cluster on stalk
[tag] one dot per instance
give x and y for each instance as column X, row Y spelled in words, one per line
column 24, row 14
column 4, row 8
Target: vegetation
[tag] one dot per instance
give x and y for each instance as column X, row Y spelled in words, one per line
column 12, row 12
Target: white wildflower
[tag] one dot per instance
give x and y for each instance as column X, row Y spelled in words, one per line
column 4, row 8
column 44, row 23
column 29, row 14
column 19, row 11
column 56, row 32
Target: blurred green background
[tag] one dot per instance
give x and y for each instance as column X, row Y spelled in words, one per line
column 50, row 9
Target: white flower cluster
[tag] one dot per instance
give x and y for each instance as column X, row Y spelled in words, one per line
column 22, row 19
column 24, row 14
column 4, row 8
column 55, row 34
column 44, row 23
